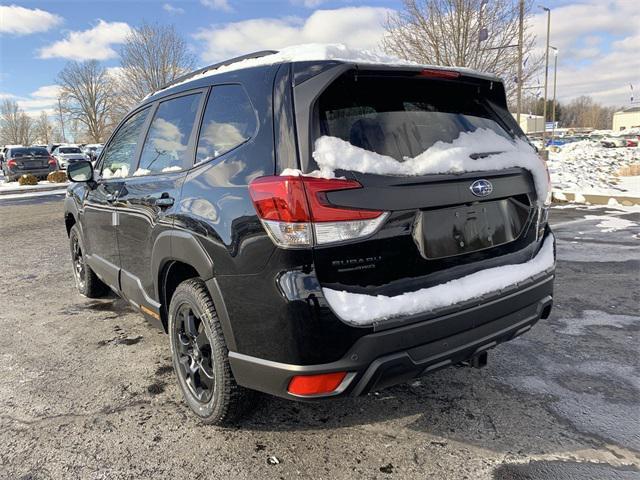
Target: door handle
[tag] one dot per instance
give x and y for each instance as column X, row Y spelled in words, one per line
column 163, row 201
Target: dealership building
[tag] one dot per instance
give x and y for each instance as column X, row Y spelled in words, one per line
column 626, row 119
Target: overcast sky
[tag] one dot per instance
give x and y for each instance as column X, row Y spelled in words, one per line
column 599, row 40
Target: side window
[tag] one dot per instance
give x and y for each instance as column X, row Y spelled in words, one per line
column 167, row 145
column 118, row 157
column 229, row 121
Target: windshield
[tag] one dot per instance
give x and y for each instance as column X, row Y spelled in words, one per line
column 403, row 117
column 27, row 152
column 69, row 150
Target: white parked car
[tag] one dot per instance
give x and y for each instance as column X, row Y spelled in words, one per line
column 67, row 153
column 611, row 142
column 92, row 151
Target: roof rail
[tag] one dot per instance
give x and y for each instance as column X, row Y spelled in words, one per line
column 183, row 78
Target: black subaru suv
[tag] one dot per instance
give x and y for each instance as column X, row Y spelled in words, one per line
column 188, row 217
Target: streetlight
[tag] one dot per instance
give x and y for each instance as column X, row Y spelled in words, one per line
column 546, row 77
column 553, row 107
column 520, row 47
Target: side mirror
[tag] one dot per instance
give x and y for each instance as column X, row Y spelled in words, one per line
column 80, row 171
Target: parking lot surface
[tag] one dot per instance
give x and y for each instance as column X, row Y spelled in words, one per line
column 87, row 389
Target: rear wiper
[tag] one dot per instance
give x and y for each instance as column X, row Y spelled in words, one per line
column 476, row 156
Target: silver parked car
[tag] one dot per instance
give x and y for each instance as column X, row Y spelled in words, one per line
column 66, row 153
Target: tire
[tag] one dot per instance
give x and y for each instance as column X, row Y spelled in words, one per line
column 87, row 282
column 201, row 358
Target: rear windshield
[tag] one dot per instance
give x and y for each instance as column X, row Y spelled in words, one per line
column 402, row 117
column 69, row 150
column 29, row 151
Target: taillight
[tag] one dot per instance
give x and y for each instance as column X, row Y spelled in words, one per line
column 11, row 163
column 52, row 161
column 296, row 212
column 311, row 385
column 437, row 73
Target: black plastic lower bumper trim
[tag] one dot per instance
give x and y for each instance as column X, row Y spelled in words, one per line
column 396, row 355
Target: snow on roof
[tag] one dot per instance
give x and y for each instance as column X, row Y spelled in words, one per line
column 316, row 52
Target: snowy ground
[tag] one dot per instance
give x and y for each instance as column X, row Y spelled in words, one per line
column 15, row 190
column 87, row 389
column 587, row 168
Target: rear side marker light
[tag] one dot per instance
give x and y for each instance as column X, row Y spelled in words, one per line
column 296, row 213
column 11, row 163
column 323, row 384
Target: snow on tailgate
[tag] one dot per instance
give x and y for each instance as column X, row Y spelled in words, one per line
column 361, row 309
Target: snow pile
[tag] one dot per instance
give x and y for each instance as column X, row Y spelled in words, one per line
column 587, row 167
column 361, row 309
column 333, row 153
column 611, row 224
column 316, row 52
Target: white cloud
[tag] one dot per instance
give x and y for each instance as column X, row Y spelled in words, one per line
column 23, row 21
column 357, row 27
column 217, row 5
column 167, row 7
column 598, row 43
column 47, row 91
column 93, row 44
column 44, row 99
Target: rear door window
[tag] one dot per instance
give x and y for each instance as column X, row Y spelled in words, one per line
column 402, row 117
column 69, row 150
column 118, row 159
column 28, row 152
column 166, row 148
column 229, row 121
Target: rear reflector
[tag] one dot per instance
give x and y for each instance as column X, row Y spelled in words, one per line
column 316, row 384
column 437, row 73
column 296, row 212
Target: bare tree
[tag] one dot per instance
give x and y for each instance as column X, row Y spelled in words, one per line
column 44, row 129
column 87, row 96
column 583, row 111
column 151, row 56
column 16, row 127
column 448, row 32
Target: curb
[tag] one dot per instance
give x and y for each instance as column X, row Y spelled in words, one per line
column 594, row 198
column 19, row 190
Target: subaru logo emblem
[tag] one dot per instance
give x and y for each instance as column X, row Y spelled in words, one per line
column 481, row 188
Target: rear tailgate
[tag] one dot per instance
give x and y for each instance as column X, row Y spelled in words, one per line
column 30, row 158
column 32, row 163
column 437, row 229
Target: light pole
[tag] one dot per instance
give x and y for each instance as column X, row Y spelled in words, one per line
column 546, row 78
column 553, row 106
column 520, row 47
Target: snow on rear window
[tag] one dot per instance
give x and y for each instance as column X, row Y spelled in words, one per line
column 458, row 156
column 411, row 116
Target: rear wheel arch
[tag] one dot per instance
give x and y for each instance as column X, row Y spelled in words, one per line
column 178, row 256
column 69, row 221
column 172, row 274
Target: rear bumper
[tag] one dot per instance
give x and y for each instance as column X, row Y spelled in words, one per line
column 31, row 171
column 395, row 355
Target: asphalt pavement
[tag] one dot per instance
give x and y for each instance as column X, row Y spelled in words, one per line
column 87, row 389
